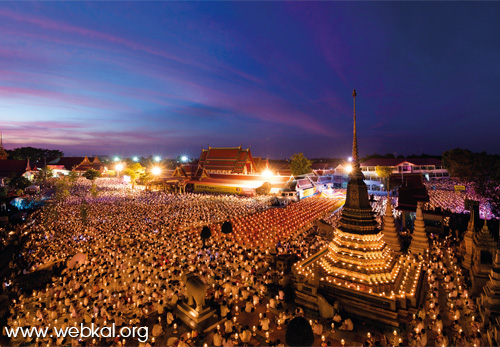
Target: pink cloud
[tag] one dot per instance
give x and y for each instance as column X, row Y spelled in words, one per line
column 61, row 98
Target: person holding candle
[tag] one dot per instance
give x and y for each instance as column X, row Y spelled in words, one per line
column 246, row 335
column 264, row 322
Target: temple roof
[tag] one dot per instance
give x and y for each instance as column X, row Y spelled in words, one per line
column 232, row 159
column 77, row 163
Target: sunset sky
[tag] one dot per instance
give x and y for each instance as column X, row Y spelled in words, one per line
column 166, row 78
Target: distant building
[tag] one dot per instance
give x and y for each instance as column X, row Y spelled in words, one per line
column 430, row 168
column 11, row 167
column 64, row 165
column 228, row 170
column 226, row 160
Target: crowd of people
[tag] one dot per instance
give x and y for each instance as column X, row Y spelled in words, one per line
column 449, row 316
column 442, row 195
column 126, row 252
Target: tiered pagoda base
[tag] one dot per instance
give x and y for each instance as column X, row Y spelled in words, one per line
column 357, row 268
column 489, row 301
column 387, row 303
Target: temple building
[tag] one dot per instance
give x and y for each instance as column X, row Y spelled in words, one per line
column 63, row 165
column 229, row 170
column 358, row 269
column 13, row 167
column 226, row 160
column 430, row 168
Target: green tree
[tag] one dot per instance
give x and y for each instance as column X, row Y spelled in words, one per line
column 72, row 176
column 384, row 172
column 91, row 175
column 19, row 182
column 146, row 179
column 376, row 155
column 45, row 173
column 62, row 189
column 133, row 171
column 300, row 164
column 459, row 163
column 480, row 168
column 3, row 192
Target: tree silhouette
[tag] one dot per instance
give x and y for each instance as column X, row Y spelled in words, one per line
column 205, row 234
column 91, row 175
column 227, row 227
column 384, row 172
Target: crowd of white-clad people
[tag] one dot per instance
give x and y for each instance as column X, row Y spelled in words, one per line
column 127, row 250
column 442, row 194
column 449, row 316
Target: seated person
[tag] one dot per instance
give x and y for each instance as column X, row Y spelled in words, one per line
column 347, row 325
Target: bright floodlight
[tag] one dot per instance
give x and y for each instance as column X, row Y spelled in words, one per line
column 116, row 159
column 119, row 167
column 348, row 168
column 267, row 173
column 184, row 159
column 350, row 159
column 157, row 158
column 136, row 159
column 156, row 171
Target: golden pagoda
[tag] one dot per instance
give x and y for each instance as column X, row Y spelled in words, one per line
column 358, row 268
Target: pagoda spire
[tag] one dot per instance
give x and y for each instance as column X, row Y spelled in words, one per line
column 3, row 153
column 355, row 136
column 356, row 169
column 357, row 215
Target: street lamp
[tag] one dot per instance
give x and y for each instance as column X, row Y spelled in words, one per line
column 157, row 158
column 136, row 159
column 118, row 168
column 267, row 173
column 156, row 171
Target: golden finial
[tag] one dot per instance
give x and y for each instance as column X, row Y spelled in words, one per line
column 355, row 137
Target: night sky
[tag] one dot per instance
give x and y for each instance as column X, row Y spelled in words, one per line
column 167, row 78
